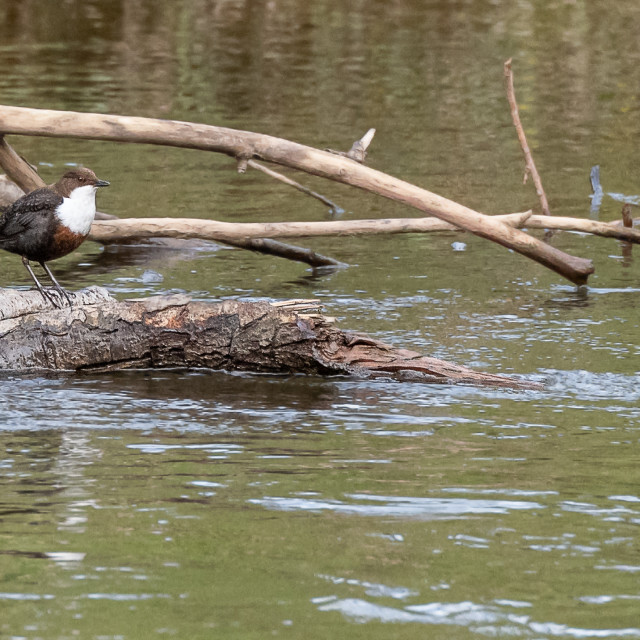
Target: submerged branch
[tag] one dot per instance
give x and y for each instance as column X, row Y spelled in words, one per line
column 296, row 185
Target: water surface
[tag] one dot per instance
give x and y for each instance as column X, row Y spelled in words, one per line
column 203, row 504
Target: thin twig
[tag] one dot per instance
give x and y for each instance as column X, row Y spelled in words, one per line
column 530, row 167
column 296, row 185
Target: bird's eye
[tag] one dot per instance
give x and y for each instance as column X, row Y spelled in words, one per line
column 81, row 179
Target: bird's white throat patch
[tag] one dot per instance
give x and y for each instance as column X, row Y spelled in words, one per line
column 78, row 210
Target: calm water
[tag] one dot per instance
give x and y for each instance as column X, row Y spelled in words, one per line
column 200, row 505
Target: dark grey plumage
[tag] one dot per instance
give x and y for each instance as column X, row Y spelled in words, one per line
column 34, row 227
column 27, row 225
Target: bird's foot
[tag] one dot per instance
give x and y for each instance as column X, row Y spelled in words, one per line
column 68, row 295
column 57, row 297
column 48, row 296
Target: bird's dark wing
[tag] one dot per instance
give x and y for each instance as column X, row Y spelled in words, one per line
column 27, row 211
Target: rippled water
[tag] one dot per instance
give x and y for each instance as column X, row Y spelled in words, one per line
column 202, row 504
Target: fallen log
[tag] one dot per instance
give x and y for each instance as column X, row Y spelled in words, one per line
column 100, row 333
column 245, row 146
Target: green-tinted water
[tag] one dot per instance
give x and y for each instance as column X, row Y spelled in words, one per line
column 201, row 505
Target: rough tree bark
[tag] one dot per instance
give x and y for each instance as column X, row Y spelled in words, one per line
column 100, row 333
column 245, row 145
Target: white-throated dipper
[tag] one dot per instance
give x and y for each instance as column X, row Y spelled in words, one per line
column 51, row 222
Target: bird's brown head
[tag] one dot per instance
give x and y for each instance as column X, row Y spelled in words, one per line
column 80, row 177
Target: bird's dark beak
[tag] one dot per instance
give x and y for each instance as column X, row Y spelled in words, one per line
column 102, row 183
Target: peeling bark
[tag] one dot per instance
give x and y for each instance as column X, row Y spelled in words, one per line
column 100, row 333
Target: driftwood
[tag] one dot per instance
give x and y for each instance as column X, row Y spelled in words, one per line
column 108, row 229
column 100, row 333
column 18, row 169
column 124, row 229
column 9, row 191
column 245, row 146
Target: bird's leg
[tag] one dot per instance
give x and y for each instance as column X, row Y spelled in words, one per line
column 45, row 294
column 56, row 284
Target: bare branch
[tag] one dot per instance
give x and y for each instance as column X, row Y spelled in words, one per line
column 296, row 185
column 41, row 122
column 358, row 151
column 122, row 230
column 529, row 163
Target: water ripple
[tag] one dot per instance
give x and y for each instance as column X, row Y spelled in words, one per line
column 492, row 620
column 372, row 588
column 405, row 506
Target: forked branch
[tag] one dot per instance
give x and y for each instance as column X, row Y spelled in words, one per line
column 245, row 144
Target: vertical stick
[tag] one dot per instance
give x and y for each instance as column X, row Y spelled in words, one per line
column 530, row 167
column 627, row 247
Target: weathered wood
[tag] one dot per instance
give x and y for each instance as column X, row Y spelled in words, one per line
column 18, row 169
column 251, row 235
column 101, row 333
column 245, row 145
column 110, row 229
column 126, row 229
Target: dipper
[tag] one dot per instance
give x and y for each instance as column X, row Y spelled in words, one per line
column 51, row 222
